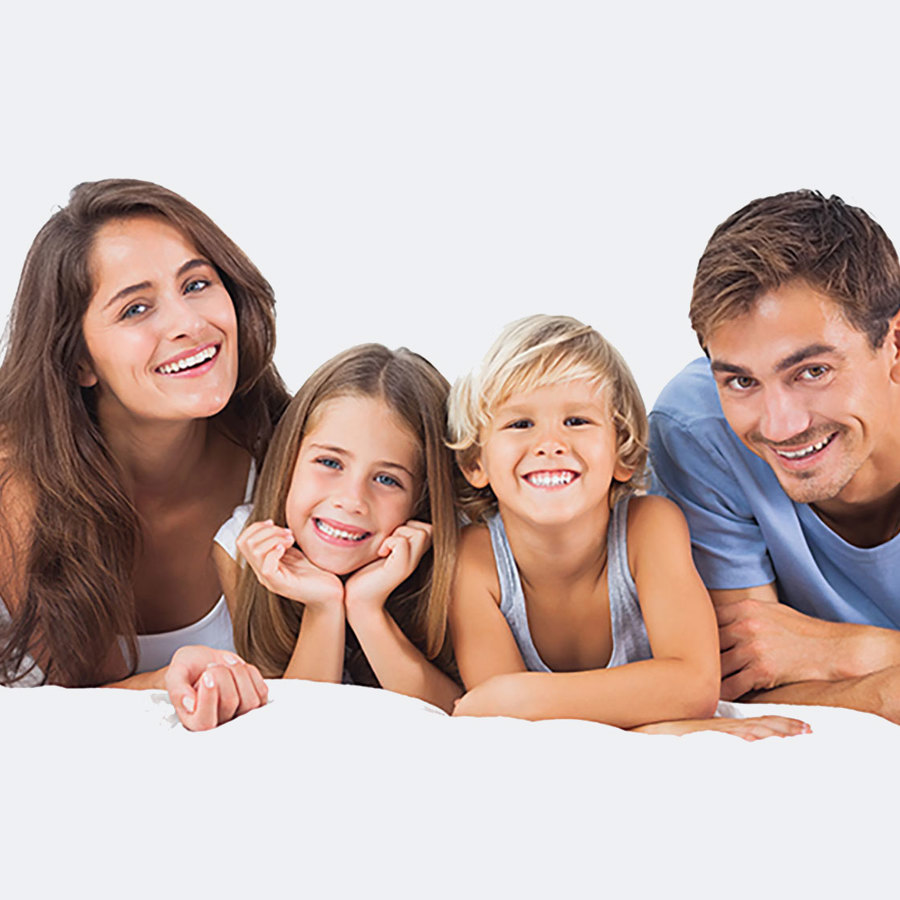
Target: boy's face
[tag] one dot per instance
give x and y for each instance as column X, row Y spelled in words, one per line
column 806, row 392
column 550, row 454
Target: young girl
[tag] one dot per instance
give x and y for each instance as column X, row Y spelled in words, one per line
column 573, row 597
column 352, row 536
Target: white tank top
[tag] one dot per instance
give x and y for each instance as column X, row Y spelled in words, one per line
column 155, row 650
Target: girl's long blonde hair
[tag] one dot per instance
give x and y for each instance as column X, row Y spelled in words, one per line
column 266, row 625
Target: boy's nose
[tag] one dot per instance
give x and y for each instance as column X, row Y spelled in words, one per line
column 551, row 444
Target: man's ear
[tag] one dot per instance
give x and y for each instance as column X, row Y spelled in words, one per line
column 86, row 376
column 893, row 344
column 475, row 474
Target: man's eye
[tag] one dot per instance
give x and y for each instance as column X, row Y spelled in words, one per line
column 576, row 420
column 813, row 373
column 387, row 480
column 197, row 284
column 740, row 382
column 134, row 310
column 328, row 461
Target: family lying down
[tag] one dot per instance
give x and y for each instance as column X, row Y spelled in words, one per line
column 527, row 542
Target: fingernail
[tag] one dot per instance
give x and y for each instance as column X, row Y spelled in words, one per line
column 188, row 702
column 208, row 680
column 231, row 659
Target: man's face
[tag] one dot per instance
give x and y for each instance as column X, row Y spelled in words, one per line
column 805, row 391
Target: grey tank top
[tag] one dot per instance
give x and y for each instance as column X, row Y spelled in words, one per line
column 629, row 635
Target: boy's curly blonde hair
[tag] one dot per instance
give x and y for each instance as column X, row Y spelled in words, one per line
column 535, row 352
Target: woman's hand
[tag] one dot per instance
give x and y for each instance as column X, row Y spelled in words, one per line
column 284, row 570
column 753, row 729
column 208, row 687
column 399, row 554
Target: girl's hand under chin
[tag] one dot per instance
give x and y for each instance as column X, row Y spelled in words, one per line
column 284, row 570
column 399, row 555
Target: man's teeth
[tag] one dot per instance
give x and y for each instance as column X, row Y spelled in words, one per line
column 550, row 479
column 189, row 361
column 331, row 531
column 812, row 448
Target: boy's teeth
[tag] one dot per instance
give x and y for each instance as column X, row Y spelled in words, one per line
column 189, row 361
column 550, row 479
column 799, row 454
column 331, row 531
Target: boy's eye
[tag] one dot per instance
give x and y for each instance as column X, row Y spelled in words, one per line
column 387, row 480
column 520, row 423
column 196, row 284
column 328, row 461
column 576, row 420
column 134, row 310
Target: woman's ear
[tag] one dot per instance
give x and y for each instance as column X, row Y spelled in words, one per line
column 86, row 376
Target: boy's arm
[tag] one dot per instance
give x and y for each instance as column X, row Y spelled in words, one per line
column 482, row 642
column 682, row 679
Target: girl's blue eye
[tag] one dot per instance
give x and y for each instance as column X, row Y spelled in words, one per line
column 328, row 462
column 196, row 285
column 134, row 310
column 576, row 420
column 387, row 480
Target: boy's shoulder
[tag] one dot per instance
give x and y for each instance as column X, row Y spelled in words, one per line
column 475, row 558
column 652, row 516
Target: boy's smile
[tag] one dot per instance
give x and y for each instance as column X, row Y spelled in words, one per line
column 550, row 454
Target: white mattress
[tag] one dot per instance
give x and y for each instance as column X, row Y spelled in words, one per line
column 339, row 791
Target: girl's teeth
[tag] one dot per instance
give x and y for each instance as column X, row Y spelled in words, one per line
column 189, row 361
column 331, row 531
column 799, row 454
column 550, row 479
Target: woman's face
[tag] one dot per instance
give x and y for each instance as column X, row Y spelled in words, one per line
column 160, row 329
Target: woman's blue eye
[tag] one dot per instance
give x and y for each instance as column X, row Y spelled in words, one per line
column 388, row 480
column 196, row 285
column 328, row 462
column 134, row 310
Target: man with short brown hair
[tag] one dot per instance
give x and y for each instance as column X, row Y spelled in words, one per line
column 783, row 450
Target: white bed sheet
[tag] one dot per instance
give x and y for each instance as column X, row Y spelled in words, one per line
column 339, row 791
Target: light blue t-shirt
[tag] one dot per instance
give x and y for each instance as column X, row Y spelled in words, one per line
column 745, row 531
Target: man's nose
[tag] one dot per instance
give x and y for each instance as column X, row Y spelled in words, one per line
column 784, row 416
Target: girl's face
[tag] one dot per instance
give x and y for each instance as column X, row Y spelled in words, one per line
column 160, row 329
column 550, row 454
column 356, row 479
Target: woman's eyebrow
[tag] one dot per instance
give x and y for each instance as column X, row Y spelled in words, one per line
column 144, row 285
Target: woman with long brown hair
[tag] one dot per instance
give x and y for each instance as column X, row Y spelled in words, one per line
column 137, row 394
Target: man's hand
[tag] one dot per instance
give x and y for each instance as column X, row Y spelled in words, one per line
column 765, row 644
column 208, row 687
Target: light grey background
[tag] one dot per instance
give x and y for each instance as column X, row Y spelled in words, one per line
column 421, row 173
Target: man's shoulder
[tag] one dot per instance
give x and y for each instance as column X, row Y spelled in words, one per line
column 691, row 397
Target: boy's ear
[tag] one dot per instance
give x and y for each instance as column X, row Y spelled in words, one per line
column 86, row 375
column 622, row 472
column 475, row 474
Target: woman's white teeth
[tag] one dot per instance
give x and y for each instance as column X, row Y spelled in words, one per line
column 812, row 448
column 189, row 361
column 331, row 531
column 550, row 479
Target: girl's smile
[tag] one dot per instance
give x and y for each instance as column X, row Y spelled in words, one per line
column 355, row 481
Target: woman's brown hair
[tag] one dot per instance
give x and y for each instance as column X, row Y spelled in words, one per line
column 266, row 625
column 79, row 548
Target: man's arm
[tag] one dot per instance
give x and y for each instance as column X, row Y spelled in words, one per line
column 766, row 645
